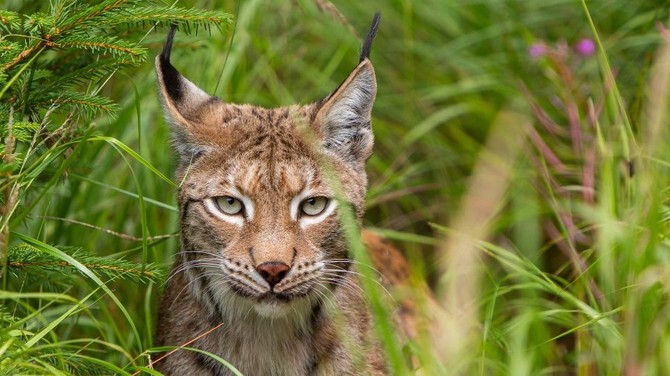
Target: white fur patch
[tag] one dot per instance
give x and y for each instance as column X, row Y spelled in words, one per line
column 306, row 221
column 273, row 309
column 351, row 110
column 194, row 94
column 295, row 203
column 248, row 203
column 236, row 219
column 214, row 209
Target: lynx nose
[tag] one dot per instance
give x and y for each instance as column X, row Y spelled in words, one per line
column 273, row 271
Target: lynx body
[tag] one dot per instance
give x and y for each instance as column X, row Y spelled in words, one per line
column 264, row 255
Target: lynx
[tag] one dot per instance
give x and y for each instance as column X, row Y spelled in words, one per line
column 263, row 250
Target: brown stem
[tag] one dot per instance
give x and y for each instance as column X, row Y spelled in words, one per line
column 187, row 343
column 546, row 151
column 589, row 176
column 25, row 54
column 579, row 264
column 10, row 196
column 111, row 232
column 542, row 116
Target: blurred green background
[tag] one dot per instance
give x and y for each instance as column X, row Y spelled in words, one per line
column 571, row 257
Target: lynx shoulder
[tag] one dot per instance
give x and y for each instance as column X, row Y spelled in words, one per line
column 264, row 258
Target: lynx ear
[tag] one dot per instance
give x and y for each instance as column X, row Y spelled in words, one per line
column 187, row 107
column 343, row 120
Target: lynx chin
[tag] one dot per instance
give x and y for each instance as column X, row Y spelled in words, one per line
column 263, row 257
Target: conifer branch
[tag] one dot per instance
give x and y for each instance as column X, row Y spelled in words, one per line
column 105, row 45
column 23, row 55
column 53, row 64
column 26, row 259
column 77, row 26
column 180, row 16
column 88, row 105
column 9, row 20
column 92, row 13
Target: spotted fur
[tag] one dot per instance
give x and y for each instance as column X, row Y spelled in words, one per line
column 280, row 280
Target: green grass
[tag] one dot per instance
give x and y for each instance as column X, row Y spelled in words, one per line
column 546, row 253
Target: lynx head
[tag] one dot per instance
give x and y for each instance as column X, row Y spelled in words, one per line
column 258, row 213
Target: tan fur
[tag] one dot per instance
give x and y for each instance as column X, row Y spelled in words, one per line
column 279, row 344
column 315, row 319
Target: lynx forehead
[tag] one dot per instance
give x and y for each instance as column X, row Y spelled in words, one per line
column 270, row 165
column 262, row 246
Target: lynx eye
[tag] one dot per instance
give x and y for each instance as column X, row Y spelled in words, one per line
column 314, row 205
column 229, row 205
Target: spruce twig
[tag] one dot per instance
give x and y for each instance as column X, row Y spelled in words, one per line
column 54, row 65
column 24, row 258
column 74, row 26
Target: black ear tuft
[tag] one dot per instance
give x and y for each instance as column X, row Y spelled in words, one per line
column 192, row 112
column 171, row 76
column 167, row 49
column 367, row 45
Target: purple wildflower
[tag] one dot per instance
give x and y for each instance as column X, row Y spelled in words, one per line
column 585, row 47
column 537, row 49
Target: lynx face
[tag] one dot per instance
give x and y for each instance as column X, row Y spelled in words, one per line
column 259, row 221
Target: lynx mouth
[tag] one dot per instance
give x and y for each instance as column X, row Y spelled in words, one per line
column 284, row 297
column 276, row 297
column 270, row 296
column 274, row 305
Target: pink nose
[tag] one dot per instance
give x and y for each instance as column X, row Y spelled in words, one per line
column 273, row 271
